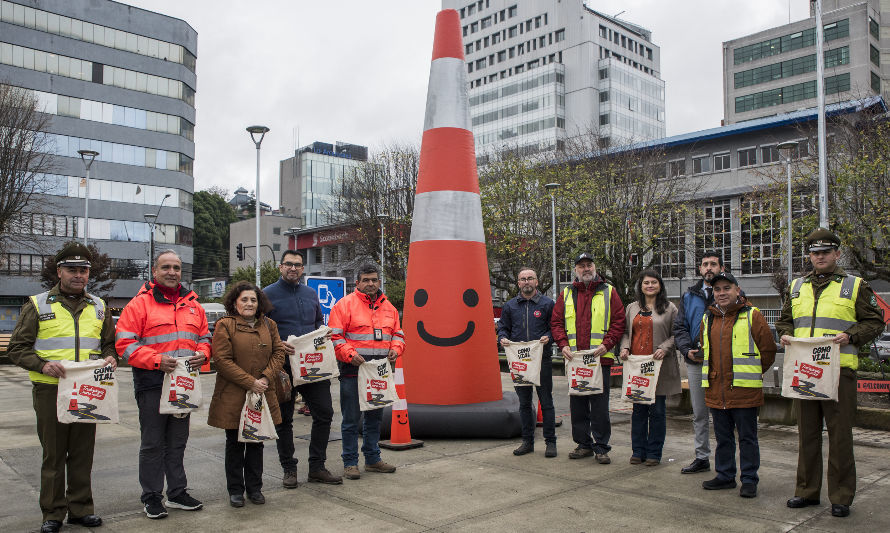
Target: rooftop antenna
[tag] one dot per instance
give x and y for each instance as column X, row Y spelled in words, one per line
column 620, row 12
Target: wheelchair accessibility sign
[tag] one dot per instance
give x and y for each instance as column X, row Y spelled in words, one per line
column 329, row 290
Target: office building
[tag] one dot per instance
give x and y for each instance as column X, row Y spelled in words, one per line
column 309, row 182
column 120, row 81
column 542, row 71
column 774, row 71
column 274, row 229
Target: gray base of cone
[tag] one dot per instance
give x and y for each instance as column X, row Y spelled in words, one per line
column 486, row 420
column 389, row 445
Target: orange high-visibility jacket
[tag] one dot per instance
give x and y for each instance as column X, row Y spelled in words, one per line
column 151, row 326
column 353, row 321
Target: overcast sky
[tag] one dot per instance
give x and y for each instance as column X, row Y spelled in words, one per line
column 357, row 71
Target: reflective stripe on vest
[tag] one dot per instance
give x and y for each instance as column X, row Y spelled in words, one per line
column 834, row 313
column 746, row 367
column 59, row 338
column 600, row 316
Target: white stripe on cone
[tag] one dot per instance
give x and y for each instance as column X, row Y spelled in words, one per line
column 448, row 108
column 400, row 405
column 399, row 376
column 447, row 216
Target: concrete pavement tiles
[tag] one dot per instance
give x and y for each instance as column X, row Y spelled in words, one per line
column 448, row 485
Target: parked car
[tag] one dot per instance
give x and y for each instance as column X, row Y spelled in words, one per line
column 214, row 312
column 880, row 348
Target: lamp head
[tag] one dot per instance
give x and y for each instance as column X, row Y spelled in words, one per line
column 257, row 130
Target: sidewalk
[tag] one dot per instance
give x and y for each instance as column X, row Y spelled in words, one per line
column 447, row 485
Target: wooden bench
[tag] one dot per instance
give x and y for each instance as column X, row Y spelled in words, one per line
column 4, row 344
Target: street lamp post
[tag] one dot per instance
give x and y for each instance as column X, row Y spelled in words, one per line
column 151, row 219
column 254, row 131
column 786, row 149
column 552, row 188
column 382, row 217
column 87, row 156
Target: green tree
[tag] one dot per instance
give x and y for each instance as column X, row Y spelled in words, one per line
column 269, row 274
column 101, row 281
column 211, row 240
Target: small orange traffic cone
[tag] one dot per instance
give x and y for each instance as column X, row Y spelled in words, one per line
column 172, row 397
column 72, row 403
column 400, row 429
column 540, row 422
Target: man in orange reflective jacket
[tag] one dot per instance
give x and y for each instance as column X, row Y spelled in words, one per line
column 162, row 323
column 365, row 327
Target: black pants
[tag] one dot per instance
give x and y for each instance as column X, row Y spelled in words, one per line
column 318, row 398
column 728, row 422
column 590, row 416
column 545, row 395
column 244, row 464
column 67, row 449
column 161, row 452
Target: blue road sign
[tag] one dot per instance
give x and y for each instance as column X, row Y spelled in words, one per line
column 329, row 290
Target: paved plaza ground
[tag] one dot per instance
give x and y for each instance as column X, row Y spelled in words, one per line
column 447, row 485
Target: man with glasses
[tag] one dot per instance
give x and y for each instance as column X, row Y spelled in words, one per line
column 297, row 312
column 527, row 318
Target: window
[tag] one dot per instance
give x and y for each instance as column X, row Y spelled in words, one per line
column 875, row 83
column 276, row 231
column 276, row 247
column 701, row 164
column 747, row 157
column 560, row 35
column 471, row 9
column 474, row 27
column 468, row 49
column 511, row 11
column 761, row 237
column 603, row 31
column 874, row 28
column 604, row 73
column 604, row 96
column 670, row 246
column 837, row 84
column 604, row 119
column 713, row 229
column 721, row 162
column 677, row 168
column 874, row 55
column 511, row 32
column 496, row 38
column 486, row 22
column 770, row 154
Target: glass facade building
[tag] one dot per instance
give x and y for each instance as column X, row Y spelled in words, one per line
column 120, row 81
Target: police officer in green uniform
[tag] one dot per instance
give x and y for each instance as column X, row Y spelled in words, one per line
column 828, row 302
column 65, row 323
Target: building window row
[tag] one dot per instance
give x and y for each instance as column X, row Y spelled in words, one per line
column 791, row 67
column 44, row 224
column 628, row 102
column 625, row 42
column 69, row 106
column 793, row 41
column 605, row 53
column 526, row 106
column 526, row 128
column 53, row 23
column 477, row 7
column 701, row 164
column 113, row 191
column 555, row 57
column 518, row 87
column 79, row 69
column 640, row 84
column 791, row 93
column 125, row 154
column 22, row 264
column 132, row 231
column 540, row 41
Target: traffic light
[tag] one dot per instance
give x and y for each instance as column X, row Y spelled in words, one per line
column 239, row 252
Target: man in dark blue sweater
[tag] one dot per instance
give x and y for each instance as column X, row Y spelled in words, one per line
column 297, row 312
column 527, row 318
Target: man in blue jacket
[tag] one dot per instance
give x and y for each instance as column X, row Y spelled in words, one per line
column 297, row 312
column 527, row 318
column 686, row 329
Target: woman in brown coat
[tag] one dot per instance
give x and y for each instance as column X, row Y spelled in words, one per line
column 248, row 354
column 649, row 331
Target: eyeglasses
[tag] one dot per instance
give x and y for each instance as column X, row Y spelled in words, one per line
column 527, row 279
column 292, row 265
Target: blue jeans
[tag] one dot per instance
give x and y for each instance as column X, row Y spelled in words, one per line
column 648, row 426
column 548, row 413
column 349, row 428
column 744, row 421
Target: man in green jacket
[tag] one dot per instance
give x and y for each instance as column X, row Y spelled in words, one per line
column 828, row 302
column 66, row 323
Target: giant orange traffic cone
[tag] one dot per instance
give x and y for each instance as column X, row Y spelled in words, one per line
column 400, row 428
column 450, row 340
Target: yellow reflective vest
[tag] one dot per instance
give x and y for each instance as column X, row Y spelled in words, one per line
column 832, row 313
column 62, row 337
column 746, row 367
column 600, row 316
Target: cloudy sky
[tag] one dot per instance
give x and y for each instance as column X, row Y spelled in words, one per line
column 357, row 71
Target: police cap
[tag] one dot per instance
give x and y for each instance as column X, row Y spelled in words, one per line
column 74, row 254
column 821, row 239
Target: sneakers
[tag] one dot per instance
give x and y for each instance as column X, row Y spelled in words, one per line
column 289, row 481
column 154, row 509
column 524, row 448
column 323, row 476
column 580, row 453
column 603, row 458
column 748, row 490
column 718, row 484
column 304, row 411
column 351, row 472
column 551, row 450
column 380, row 466
column 699, row 465
column 184, row 502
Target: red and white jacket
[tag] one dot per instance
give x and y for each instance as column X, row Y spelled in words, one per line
column 353, row 321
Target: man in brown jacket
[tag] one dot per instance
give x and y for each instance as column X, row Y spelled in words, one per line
column 738, row 348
